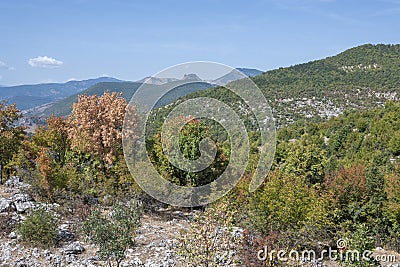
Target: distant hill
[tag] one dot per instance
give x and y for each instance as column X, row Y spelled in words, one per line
column 234, row 75
column 362, row 77
column 63, row 107
column 250, row 72
column 156, row 80
column 29, row 96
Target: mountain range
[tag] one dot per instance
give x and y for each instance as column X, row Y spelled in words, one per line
column 63, row 107
column 29, row 96
column 362, row 77
column 43, row 100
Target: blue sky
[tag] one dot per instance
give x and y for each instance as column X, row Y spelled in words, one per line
column 55, row 41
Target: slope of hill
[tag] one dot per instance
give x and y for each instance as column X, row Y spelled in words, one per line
column 29, row 96
column 362, row 77
column 233, row 75
column 250, row 72
column 63, row 107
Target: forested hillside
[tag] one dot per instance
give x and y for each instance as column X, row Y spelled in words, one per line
column 362, row 77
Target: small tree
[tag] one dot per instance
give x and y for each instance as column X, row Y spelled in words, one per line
column 47, row 149
column 375, row 185
column 11, row 134
column 306, row 159
column 284, row 204
column 114, row 232
column 39, row 228
column 95, row 133
column 394, row 144
column 190, row 138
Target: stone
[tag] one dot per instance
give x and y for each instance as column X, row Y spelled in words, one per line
column 22, row 207
column 22, row 202
column 21, row 197
column 135, row 262
column 5, row 205
column 65, row 235
column 168, row 259
column 163, row 243
column 178, row 213
column 74, row 248
column 237, row 232
column 64, row 226
column 46, row 253
column 14, row 181
column 12, row 235
column 36, row 253
column 70, row 258
column 151, row 245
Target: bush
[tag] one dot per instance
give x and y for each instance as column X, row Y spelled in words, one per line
column 39, row 228
column 286, row 203
column 305, row 158
column 359, row 240
column 211, row 239
column 287, row 214
column 114, row 232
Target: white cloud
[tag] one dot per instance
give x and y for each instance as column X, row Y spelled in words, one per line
column 45, row 62
column 4, row 65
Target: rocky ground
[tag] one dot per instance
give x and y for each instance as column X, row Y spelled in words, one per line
column 156, row 238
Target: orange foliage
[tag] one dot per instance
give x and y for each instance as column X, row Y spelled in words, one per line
column 347, row 184
column 45, row 167
column 95, row 125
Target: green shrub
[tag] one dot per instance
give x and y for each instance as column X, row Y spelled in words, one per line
column 39, row 228
column 287, row 214
column 305, row 158
column 360, row 240
column 286, row 203
column 113, row 232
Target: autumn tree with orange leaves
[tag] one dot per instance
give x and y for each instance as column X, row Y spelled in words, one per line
column 95, row 125
column 50, row 145
column 81, row 154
